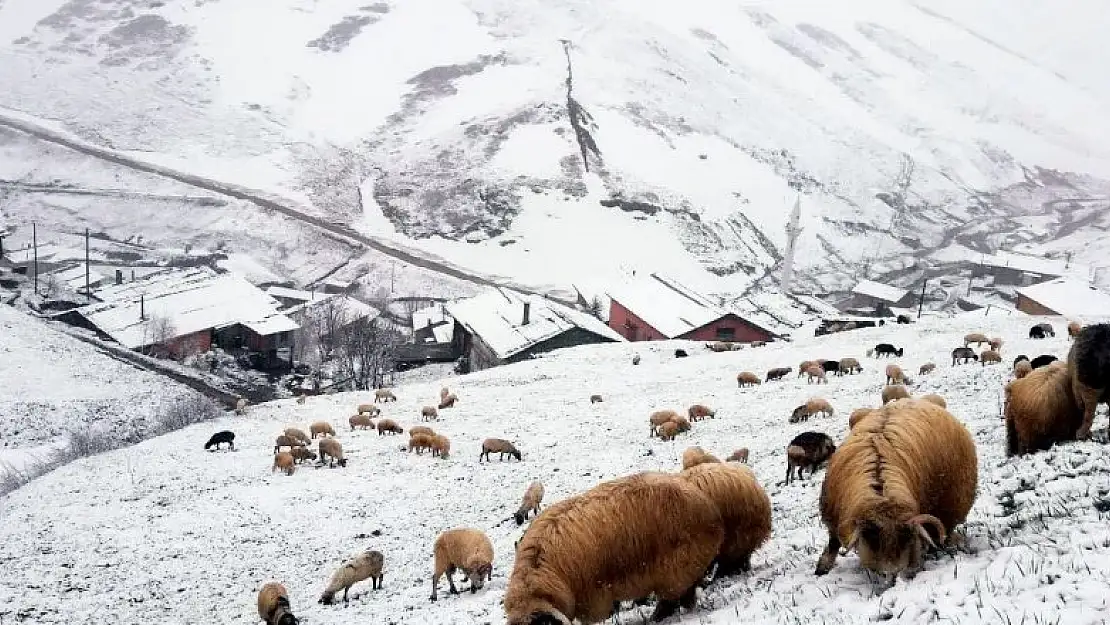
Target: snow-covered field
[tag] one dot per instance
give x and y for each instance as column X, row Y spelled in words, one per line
column 55, row 384
column 165, row 532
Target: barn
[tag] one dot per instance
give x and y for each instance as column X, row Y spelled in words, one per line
column 1069, row 298
column 652, row 307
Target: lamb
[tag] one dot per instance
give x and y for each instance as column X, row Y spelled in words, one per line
column 815, row 372
column 369, row 409
column 668, row 431
column 908, row 468
column 421, row 429
column 817, row 404
column 895, row 375
column 530, row 503
column 420, row 442
column 298, row 434
column 360, row 421
column 1042, row 330
column 740, row 455
column 1089, row 364
column 429, row 413
column 777, row 373
column 284, row 462
column 220, row 438
column 448, row 402
column 321, row 428
column 595, row 399
column 1042, row 360
column 302, row 454
column 1073, row 329
column 699, row 411
column 747, row 378
column 926, row 369
column 499, row 446
column 441, row 446
column 886, row 349
column 857, row 415
column 963, row 354
column 384, row 395
column 286, row 441
column 465, row 549
column 273, row 605
column 935, row 399
column 996, row 344
column 807, row 450
column 745, row 511
column 694, row 456
column 624, row 539
column 892, row 392
column 331, row 449
column 850, row 366
column 976, row 337
column 366, row 565
column 1041, row 410
column 658, row 418
column 990, row 357
column 389, row 426
column 1022, row 369
column 802, row 368
column 241, row 406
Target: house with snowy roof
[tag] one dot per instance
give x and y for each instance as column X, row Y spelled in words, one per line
column 1008, row 268
column 652, row 307
column 879, row 297
column 501, row 326
column 1065, row 297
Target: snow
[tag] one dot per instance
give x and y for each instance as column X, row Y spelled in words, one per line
column 287, row 293
column 1069, row 298
column 162, row 531
column 880, row 291
column 74, row 277
column 443, row 326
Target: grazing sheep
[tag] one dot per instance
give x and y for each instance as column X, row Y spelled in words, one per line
column 964, row 355
column 886, row 349
column 298, row 434
column 926, row 369
column 1089, row 364
column 682, row 423
column 498, row 446
column 444, row 392
column 996, row 344
column 976, row 337
column 321, row 428
column 1046, row 331
column 448, row 402
column 757, row 344
column 420, row 442
column 907, row 468
column 284, row 462
column 1042, row 360
column 850, row 366
column 596, row 399
column 1041, row 410
column 990, row 356
column 815, row 372
column 804, row 367
column 464, row 549
column 892, row 392
column 636, row 359
column 668, row 431
column 421, row 429
column 817, row 404
column 903, row 319
column 622, row 540
column 287, row 441
column 429, row 413
column 699, row 411
column 1022, row 369
column 694, row 456
column 530, row 503
column 302, row 454
column 807, row 450
column 658, row 418
column 778, row 373
column 1073, row 329
column 369, row 409
column 366, row 565
column 831, row 366
column 857, row 415
column 332, row 452
column 936, row 399
column 273, row 605
column 441, row 446
column 745, row 511
column 740, row 455
column 220, row 438
column 241, row 406
column 719, row 346
column 360, row 421
column 389, row 426
column 384, row 395
column 747, row 378
column 680, row 353
column 799, row 414
column 895, row 375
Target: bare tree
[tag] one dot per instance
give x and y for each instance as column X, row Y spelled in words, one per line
column 320, row 326
column 367, row 353
column 157, row 330
column 596, row 308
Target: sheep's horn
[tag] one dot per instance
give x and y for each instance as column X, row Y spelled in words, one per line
column 921, row 520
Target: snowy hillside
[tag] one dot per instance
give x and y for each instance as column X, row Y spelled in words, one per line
column 165, row 532
column 498, row 134
column 55, row 385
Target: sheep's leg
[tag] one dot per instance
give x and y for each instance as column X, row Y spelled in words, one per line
column 451, row 580
column 828, row 558
column 435, row 585
column 664, row 608
column 1088, row 399
column 346, row 589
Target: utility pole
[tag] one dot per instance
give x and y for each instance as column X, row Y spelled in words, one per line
column 792, row 232
column 88, row 291
column 35, row 246
column 921, row 302
column 392, row 275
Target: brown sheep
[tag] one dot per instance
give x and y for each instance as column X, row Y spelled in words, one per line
column 719, row 346
column 976, row 337
column 384, row 395
column 694, row 456
column 777, row 373
column 895, row 375
column 699, row 411
column 332, row 451
column 429, row 413
column 284, row 462
column 448, row 402
column 420, row 443
column 892, row 392
column 740, row 455
column 462, row 549
column 682, row 423
column 273, row 605
column 804, row 367
column 302, row 454
column 498, row 446
column 996, row 344
column 990, row 356
column 668, row 431
column 321, row 428
column 360, row 421
column 908, row 468
column 815, row 372
column 421, row 429
column 1089, row 364
column 936, row 399
column 389, row 426
column 850, row 366
column 857, row 415
column 659, row 417
column 1073, row 329
column 366, row 565
column 596, row 399
column 745, row 511
column 441, row 446
column 926, row 369
column 1041, row 410
column 817, row 404
column 1023, row 368
column 368, row 409
column 298, row 434
column 747, row 378
column 530, row 503
column 624, row 539
column 287, row 441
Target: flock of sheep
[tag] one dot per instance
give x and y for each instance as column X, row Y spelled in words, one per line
column 903, row 479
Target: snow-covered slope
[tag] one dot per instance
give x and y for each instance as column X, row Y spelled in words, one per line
column 443, row 121
column 164, row 532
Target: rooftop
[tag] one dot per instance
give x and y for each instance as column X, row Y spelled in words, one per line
column 880, row 291
column 1070, row 298
column 1033, row 264
column 294, row 294
column 667, row 306
column 437, row 317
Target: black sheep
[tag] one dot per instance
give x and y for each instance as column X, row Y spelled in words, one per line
column 1089, row 364
column 221, row 437
column 808, row 450
column 799, row 414
column 886, row 349
column 1043, row 360
column 904, row 319
column 964, row 354
column 1041, row 330
column 1020, row 358
column 680, row 353
column 831, row 366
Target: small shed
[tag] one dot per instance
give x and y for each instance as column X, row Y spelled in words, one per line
column 1065, row 297
column 290, row 297
column 881, row 298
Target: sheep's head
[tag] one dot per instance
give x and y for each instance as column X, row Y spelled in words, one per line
column 477, row 572
column 519, row 518
column 798, row 414
column 516, row 453
column 888, row 546
column 287, row 619
column 343, row 462
column 541, row 618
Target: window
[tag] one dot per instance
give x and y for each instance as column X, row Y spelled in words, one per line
column 726, row 334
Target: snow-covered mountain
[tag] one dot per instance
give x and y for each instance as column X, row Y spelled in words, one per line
column 556, row 141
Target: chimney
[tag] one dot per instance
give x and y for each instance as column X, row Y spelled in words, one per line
column 527, row 313
column 119, row 276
